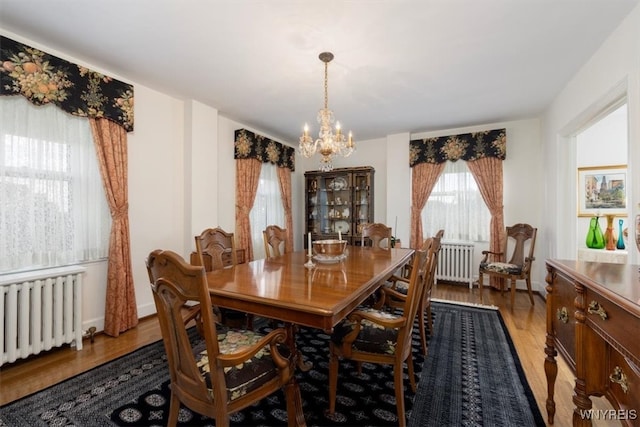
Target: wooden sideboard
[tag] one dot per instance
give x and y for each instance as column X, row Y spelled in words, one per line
column 593, row 321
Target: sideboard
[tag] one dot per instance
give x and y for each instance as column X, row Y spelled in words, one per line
column 593, row 321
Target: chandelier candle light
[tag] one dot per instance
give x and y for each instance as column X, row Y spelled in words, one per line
column 328, row 143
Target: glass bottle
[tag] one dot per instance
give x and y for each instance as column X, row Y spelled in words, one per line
column 595, row 238
column 620, row 244
column 609, row 235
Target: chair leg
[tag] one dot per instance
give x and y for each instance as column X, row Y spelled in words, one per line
column 411, row 372
column 423, row 333
column 333, row 379
column 513, row 292
column 529, row 289
column 174, row 411
column 430, row 320
column 397, row 374
column 480, row 287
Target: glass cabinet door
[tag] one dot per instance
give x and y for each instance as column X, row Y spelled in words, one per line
column 338, row 202
column 362, row 200
column 335, row 200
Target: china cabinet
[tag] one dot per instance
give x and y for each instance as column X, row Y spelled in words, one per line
column 338, row 203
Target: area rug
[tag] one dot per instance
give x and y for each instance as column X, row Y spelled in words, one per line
column 470, row 377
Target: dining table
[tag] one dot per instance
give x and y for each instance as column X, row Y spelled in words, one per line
column 283, row 288
column 288, row 289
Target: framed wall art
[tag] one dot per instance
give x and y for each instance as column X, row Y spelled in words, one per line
column 602, row 190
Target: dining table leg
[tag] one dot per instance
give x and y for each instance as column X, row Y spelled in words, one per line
column 292, row 387
column 292, row 329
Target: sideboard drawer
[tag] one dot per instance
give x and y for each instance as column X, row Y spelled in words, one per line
column 614, row 323
column 624, row 385
column 564, row 321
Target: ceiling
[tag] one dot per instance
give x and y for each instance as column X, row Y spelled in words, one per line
column 400, row 65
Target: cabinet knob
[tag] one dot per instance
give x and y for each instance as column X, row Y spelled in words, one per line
column 619, row 377
column 563, row 315
column 596, row 308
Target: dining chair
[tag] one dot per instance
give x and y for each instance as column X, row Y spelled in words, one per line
column 374, row 234
column 394, row 295
column 275, row 241
column 519, row 265
column 216, row 249
column 229, row 369
column 378, row 336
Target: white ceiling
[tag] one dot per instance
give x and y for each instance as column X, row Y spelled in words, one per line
column 400, row 65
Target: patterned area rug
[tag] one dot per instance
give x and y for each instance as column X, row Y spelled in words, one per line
column 470, row 377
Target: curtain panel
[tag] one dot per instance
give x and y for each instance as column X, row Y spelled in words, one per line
column 249, row 145
column 465, row 146
column 46, row 79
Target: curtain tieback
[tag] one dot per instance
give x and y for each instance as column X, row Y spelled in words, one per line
column 118, row 213
column 243, row 209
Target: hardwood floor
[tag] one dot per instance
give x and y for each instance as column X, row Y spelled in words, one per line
column 526, row 326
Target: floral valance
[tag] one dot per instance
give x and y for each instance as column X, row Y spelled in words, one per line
column 249, row 145
column 43, row 78
column 466, row 146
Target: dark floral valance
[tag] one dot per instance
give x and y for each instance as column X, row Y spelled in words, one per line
column 44, row 79
column 466, row 146
column 249, row 145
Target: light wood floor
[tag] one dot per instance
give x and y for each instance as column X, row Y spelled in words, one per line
column 526, row 326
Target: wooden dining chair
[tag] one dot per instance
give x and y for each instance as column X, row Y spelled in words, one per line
column 216, row 249
column 230, row 369
column 375, row 234
column 395, row 295
column 275, row 241
column 519, row 265
column 378, row 336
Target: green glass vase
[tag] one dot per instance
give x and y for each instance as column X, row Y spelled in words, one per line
column 595, row 238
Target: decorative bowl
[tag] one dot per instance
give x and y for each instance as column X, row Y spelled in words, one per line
column 329, row 248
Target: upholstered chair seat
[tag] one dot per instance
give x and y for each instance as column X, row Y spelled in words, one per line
column 372, row 337
column 501, row 267
column 245, row 377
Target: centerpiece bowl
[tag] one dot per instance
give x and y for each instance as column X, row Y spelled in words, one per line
column 329, row 250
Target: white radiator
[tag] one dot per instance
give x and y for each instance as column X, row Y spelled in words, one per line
column 455, row 262
column 40, row 310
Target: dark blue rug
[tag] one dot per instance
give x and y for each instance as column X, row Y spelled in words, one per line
column 472, row 375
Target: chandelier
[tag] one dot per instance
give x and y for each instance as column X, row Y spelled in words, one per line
column 328, row 143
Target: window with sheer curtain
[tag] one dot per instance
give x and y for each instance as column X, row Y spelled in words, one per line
column 53, row 210
column 456, row 205
column 267, row 207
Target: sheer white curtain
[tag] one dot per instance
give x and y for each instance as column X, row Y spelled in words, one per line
column 456, row 205
column 267, row 207
column 53, row 209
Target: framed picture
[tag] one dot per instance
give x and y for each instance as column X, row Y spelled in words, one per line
column 602, row 190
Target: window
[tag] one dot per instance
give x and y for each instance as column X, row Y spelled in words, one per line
column 267, row 207
column 53, row 209
column 456, row 205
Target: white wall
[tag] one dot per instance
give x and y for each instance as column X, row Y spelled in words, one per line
column 613, row 70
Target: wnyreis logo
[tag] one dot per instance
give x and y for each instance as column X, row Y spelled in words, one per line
column 609, row 414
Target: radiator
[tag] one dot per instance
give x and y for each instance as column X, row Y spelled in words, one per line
column 40, row 310
column 455, row 262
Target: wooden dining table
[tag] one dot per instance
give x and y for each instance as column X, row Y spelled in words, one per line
column 284, row 289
